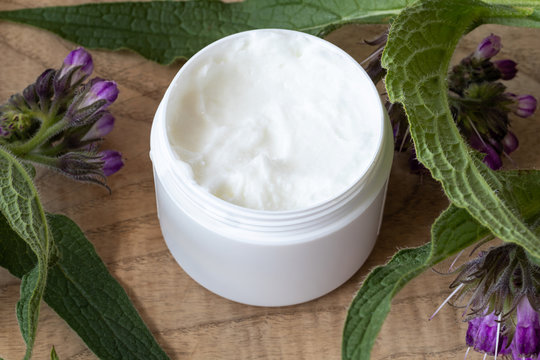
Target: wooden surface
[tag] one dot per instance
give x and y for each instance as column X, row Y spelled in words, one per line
column 187, row 320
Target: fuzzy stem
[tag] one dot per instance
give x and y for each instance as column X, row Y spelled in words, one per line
column 45, row 132
column 38, row 158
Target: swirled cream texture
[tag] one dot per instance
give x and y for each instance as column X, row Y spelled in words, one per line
column 274, row 120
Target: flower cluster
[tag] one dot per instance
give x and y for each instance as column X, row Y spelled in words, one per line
column 500, row 291
column 478, row 101
column 481, row 104
column 59, row 121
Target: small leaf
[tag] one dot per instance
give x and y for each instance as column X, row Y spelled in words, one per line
column 417, row 55
column 165, row 30
column 22, row 210
column 54, row 356
column 81, row 290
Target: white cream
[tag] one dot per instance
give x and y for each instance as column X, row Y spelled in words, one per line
column 274, row 120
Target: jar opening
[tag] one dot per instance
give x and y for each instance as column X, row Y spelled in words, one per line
column 188, row 155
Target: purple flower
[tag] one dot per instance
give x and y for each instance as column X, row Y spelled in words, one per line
column 526, row 342
column 100, row 128
column 524, row 105
column 510, row 142
column 482, row 335
column 492, row 158
column 112, row 161
column 100, row 90
column 44, row 85
column 79, row 63
column 507, row 68
column 488, row 47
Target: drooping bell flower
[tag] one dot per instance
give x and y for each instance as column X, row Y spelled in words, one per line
column 526, row 342
column 498, row 290
column 484, row 335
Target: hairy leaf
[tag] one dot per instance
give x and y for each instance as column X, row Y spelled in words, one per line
column 81, row 290
column 165, row 30
column 453, row 231
column 417, row 56
column 24, row 215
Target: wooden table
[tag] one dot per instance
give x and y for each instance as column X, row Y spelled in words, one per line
column 188, row 321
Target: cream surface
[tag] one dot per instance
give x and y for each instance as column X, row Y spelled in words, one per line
column 274, row 120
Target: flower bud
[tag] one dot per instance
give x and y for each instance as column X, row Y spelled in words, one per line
column 525, row 105
column 510, row 142
column 44, row 85
column 507, row 68
column 100, row 128
column 112, row 161
column 30, row 96
column 488, row 47
column 79, row 63
column 100, row 90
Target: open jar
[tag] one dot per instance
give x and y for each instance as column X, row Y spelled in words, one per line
column 269, row 257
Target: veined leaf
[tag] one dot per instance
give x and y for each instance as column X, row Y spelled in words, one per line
column 81, row 290
column 21, row 207
column 453, row 231
column 417, row 56
column 165, row 30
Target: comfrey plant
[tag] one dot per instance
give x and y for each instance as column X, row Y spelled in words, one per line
column 499, row 290
column 59, row 121
column 478, row 100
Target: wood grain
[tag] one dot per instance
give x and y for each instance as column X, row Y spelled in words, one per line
column 187, row 320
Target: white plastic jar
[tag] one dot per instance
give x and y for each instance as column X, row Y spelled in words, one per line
column 259, row 257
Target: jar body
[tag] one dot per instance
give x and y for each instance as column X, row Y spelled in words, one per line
column 264, row 274
column 268, row 258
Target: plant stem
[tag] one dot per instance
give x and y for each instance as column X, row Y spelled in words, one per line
column 44, row 133
column 38, row 158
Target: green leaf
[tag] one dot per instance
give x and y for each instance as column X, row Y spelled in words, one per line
column 22, row 210
column 165, row 30
column 81, row 290
column 530, row 8
column 54, row 356
column 417, row 56
column 453, row 231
